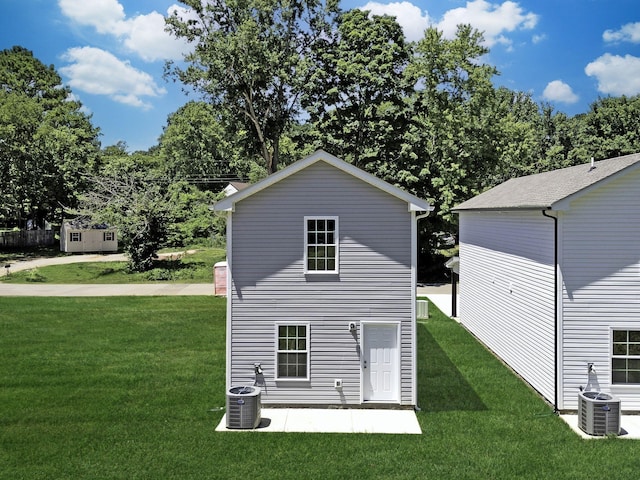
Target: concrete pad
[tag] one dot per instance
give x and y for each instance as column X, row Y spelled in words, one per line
column 326, row 420
column 629, row 426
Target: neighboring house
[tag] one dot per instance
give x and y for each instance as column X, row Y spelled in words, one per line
column 80, row 236
column 234, row 187
column 550, row 278
column 322, row 286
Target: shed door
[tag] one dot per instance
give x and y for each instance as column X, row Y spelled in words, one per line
column 380, row 363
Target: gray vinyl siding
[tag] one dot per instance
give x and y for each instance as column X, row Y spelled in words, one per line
column 269, row 284
column 601, row 285
column 507, row 289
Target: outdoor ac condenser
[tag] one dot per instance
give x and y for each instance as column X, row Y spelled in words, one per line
column 598, row 413
column 243, row 407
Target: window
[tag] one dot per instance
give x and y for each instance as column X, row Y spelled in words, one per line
column 321, row 244
column 625, row 364
column 292, row 351
column 108, row 236
column 75, row 237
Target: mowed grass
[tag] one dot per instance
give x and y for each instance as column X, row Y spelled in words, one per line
column 130, row 388
column 186, row 268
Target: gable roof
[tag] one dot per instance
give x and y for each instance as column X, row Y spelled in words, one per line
column 414, row 203
column 551, row 190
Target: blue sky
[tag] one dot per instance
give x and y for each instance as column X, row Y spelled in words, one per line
column 112, row 52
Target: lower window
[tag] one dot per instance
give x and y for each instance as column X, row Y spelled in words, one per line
column 625, row 361
column 292, row 353
column 75, row 237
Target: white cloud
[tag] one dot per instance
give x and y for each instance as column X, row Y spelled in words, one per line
column 627, row 33
column 145, row 35
column 413, row 20
column 97, row 72
column 558, row 91
column 494, row 20
column 616, row 75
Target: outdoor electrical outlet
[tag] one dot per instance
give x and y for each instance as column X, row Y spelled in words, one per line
column 337, row 383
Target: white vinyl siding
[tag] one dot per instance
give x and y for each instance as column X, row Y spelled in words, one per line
column 601, row 285
column 269, row 283
column 507, row 289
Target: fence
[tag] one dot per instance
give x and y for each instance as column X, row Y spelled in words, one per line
column 26, row 238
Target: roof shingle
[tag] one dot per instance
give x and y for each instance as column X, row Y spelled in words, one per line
column 545, row 190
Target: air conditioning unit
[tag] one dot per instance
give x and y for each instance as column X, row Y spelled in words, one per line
column 422, row 309
column 243, row 407
column 598, row 413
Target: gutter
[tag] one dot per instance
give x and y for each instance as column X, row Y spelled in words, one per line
column 555, row 308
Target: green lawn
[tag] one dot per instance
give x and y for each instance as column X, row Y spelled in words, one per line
column 191, row 268
column 130, row 388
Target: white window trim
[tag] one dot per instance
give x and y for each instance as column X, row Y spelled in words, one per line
column 337, row 245
column 75, row 236
column 620, row 386
column 108, row 234
column 308, row 351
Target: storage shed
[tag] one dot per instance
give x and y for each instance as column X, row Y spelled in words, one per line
column 81, row 236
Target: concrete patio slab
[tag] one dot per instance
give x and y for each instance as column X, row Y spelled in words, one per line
column 629, row 426
column 325, row 420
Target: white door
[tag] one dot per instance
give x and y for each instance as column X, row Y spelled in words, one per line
column 380, row 363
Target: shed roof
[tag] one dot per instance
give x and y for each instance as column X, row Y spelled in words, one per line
column 414, row 203
column 551, row 190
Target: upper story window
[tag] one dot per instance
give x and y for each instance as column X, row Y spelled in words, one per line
column 321, row 244
column 625, row 361
column 75, row 236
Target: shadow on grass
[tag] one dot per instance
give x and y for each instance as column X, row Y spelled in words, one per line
column 441, row 386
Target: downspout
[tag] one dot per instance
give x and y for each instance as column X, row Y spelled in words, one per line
column 555, row 308
column 414, row 295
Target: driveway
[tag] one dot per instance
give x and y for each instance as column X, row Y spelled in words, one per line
column 93, row 290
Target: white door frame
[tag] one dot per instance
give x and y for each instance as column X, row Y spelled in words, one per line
column 364, row 356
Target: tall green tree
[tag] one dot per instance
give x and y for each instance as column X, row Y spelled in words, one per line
column 610, row 128
column 251, row 61
column 358, row 102
column 195, row 143
column 46, row 140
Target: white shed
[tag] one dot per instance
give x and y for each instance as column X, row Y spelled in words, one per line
column 550, row 278
column 78, row 236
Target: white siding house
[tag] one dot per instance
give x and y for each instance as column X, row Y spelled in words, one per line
column 321, row 286
column 77, row 236
column 550, row 278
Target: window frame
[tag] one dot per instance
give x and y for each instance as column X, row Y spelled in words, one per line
column 617, row 356
column 110, row 234
column 335, row 245
column 75, row 237
column 306, row 351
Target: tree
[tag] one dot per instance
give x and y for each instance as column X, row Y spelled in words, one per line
column 195, row 144
column 610, row 128
column 251, row 61
column 45, row 140
column 358, row 102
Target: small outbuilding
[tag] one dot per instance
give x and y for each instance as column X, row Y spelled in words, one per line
column 81, row 236
column 550, row 278
column 321, row 296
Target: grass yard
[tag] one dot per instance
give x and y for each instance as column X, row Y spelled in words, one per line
column 130, row 388
column 191, row 268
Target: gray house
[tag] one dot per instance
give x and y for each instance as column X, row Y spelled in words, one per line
column 321, row 286
column 550, row 278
